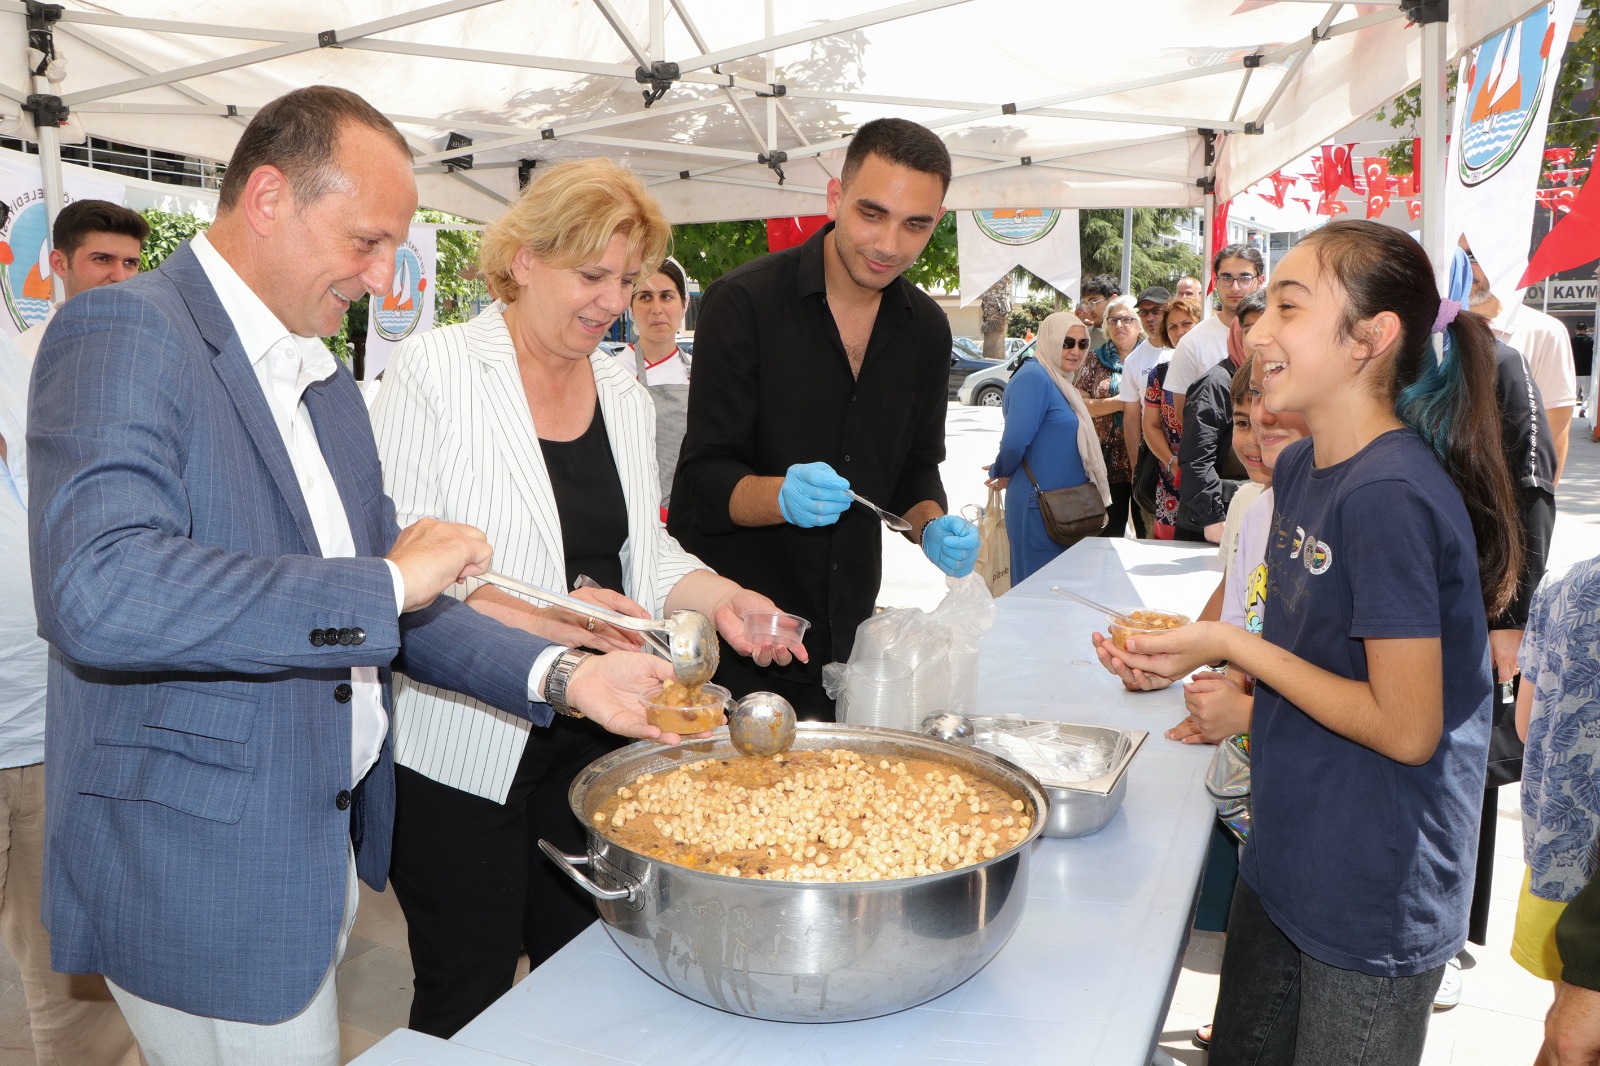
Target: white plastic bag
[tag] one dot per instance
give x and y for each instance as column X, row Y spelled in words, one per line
column 940, row 647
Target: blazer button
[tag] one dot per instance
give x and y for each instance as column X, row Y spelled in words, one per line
column 342, row 800
column 316, row 638
column 330, row 636
column 342, row 693
column 345, row 636
column 358, row 635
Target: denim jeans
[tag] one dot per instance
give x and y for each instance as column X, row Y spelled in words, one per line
column 1278, row 1006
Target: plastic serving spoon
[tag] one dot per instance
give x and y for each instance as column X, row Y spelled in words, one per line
column 893, row 521
column 1087, row 602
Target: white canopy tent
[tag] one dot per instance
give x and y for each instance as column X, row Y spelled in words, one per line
column 1042, row 104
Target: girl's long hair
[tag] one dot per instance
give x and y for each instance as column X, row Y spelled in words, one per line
column 1449, row 402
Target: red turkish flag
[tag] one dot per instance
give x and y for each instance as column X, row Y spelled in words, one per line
column 1281, row 184
column 1377, row 204
column 1302, row 200
column 1338, row 207
column 1376, row 169
column 1406, row 185
column 787, row 232
column 1336, row 168
column 1562, row 200
column 1560, row 156
column 1575, row 238
column 1219, row 235
column 1414, row 208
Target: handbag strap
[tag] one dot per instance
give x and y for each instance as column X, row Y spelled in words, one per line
column 1027, row 470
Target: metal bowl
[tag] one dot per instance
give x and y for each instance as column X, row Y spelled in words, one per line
column 795, row 951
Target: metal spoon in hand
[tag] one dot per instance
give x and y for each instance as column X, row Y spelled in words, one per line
column 893, row 521
column 687, row 639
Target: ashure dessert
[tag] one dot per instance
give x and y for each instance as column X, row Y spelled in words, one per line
column 1121, row 627
column 820, row 815
column 686, row 709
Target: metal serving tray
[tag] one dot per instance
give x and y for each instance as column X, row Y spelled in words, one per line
column 1078, row 808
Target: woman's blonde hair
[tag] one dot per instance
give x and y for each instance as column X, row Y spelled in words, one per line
column 568, row 217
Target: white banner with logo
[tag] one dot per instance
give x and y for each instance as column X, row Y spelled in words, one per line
column 1041, row 240
column 26, row 290
column 407, row 307
column 1497, row 140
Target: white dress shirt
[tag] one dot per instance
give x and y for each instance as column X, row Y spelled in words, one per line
column 1544, row 343
column 1201, row 349
column 286, row 365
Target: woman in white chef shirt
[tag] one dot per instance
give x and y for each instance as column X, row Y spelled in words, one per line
column 659, row 303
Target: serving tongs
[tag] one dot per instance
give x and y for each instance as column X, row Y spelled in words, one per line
column 686, row 639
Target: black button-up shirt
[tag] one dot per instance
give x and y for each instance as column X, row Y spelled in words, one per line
column 772, row 387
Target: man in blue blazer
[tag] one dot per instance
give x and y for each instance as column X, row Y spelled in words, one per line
column 224, row 589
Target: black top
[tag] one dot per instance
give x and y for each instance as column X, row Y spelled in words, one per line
column 772, row 388
column 1583, row 353
column 1209, row 471
column 589, row 503
column 1530, row 454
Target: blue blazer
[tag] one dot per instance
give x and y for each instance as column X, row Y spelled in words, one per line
column 197, row 751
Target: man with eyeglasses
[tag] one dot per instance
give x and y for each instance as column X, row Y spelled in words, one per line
column 1149, row 354
column 1098, row 291
column 1240, row 271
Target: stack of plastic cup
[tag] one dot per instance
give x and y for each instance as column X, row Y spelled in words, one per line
column 877, row 692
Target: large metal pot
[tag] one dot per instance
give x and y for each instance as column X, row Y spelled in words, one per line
column 789, row 951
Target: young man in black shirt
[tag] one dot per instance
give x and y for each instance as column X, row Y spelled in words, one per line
column 820, row 369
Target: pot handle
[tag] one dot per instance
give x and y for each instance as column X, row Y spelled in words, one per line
column 568, row 864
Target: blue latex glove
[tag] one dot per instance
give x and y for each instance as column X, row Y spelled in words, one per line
column 813, row 495
column 951, row 543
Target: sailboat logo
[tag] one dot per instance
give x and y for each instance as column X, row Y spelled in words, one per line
column 1017, row 225
column 1504, row 84
column 397, row 312
column 25, row 279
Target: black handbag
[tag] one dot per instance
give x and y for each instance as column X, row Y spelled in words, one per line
column 1069, row 514
column 1505, row 747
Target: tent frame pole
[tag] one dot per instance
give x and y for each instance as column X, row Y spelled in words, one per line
column 1435, row 69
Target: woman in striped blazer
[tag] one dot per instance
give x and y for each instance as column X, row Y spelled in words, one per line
column 514, row 423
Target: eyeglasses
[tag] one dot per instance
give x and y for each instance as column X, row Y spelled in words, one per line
column 1094, row 301
column 1235, row 279
column 1123, row 320
column 1071, row 344
column 1149, row 312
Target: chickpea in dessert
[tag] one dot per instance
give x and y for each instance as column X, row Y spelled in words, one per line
column 822, row 815
column 1136, row 622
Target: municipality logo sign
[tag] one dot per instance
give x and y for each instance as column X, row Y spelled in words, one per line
column 1017, row 225
column 1504, row 84
column 25, row 283
column 397, row 314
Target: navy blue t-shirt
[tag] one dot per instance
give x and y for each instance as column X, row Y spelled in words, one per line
column 1363, row 862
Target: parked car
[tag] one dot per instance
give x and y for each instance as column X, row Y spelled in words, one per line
column 963, row 363
column 986, row 388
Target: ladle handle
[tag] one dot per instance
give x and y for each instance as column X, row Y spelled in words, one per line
column 583, row 607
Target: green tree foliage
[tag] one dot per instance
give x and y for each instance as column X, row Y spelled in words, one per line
column 460, row 289
column 1574, row 120
column 167, row 231
column 1155, row 261
column 1027, row 314
column 709, row 250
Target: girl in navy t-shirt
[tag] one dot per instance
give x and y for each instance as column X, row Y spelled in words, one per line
column 1391, row 537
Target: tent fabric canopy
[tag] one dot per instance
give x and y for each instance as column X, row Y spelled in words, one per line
column 1041, row 105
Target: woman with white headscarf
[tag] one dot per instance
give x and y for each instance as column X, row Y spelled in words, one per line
column 1047, row 425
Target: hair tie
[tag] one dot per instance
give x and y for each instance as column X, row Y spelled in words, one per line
column 1448, row 310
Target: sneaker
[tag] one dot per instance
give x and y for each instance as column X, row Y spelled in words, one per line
column 1449, row 993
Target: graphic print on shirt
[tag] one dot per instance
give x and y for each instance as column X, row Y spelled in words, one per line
column 1316, row 554
column 1255, row 598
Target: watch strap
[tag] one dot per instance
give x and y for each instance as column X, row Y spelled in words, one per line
column 559, row 677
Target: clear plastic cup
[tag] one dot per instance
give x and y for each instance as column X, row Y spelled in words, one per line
column 877, row 692
column 775, row 629
column 668, row 712
column 1142, row 620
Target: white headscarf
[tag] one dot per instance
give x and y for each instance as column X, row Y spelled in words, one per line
column 1047, row 352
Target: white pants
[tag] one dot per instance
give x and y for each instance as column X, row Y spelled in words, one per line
column 171, row 1037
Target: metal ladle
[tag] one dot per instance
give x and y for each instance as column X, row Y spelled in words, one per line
column 761, row 724
column 686, row 639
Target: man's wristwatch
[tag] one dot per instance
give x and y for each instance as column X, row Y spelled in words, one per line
column 559, row 677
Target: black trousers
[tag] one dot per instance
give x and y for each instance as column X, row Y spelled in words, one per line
column 474, row 887
column 1117, row 513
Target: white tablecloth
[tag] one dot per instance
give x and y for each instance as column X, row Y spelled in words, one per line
column 1086, row 977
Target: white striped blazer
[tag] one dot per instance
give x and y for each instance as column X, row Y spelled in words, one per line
column 458, row 443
